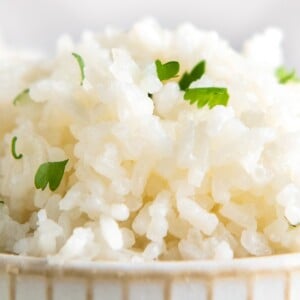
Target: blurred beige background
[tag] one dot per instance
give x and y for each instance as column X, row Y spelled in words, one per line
column 37, row 23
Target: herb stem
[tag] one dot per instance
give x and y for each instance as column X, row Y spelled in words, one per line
column 13, row 149
column 80, row 62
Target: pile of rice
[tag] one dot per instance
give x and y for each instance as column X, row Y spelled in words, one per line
column 150, row 178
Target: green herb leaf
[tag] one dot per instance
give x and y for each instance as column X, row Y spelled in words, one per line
column 196, row 73
column 166, row 71
column 211, row 96
column 81, row 66
column 1, row 202
column 22, row 97
column 13, row 149
column 50, row 172
column 285, row 76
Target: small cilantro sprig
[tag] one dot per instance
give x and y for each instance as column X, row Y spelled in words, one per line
column 168, row 70
column 21, row 97
column 196, row 73
column 81, row 64
column 284, row 76
column 50, row 173
column 211, row 96
column 13, row 149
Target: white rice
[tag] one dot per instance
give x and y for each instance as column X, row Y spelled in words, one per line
column 150, row 179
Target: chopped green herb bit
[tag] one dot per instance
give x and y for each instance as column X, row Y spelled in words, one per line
column 21, row 97
column 195, row 74
column 166, row 71
column 285, row 76
column 211, row 96
column 13, row 149
column 150, row 95
column 50, row 172
column 81, row 66
column 1, row 202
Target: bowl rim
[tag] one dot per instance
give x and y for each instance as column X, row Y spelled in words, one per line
column 15, row 264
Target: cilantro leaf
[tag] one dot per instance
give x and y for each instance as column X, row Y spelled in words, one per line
column 81, row 64
column 166, row 71
column 21, row 97
column 211, row 96
column 285, row 76
column 13, row 148
column 50, row 172
column 196, row 73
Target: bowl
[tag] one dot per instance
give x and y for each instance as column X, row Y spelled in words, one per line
column 273, row 277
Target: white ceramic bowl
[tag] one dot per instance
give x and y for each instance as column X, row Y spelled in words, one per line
column 266, row 278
